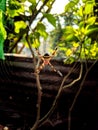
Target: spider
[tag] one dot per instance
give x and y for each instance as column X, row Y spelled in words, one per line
column 46, row 61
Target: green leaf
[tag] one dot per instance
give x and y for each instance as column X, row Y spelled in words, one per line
column 69, row 6
column 91, row 20
column 76, row 1
column 88, row 8
column 71, row 37
column 41, row 26
column 42, row 30
column 69, row 52
column 81, row 24
column 36, row 43
column 49, row 3
column 80, row 11
column 3, row 5
column 15, row 8
column 84, row 1
column 32, row 1
column 51, row 19
column 2, row 35
column 19, row 25
column 91, row 30
column 69, row 30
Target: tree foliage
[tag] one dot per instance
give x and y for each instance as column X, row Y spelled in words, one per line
column 25, row 20
column 76, row 36
column 79, row 37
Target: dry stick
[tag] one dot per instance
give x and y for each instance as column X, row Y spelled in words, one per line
column 76, row 80
column 77, row 94
column 42, row 121
column 20, row 50
column 32, row 52
column 38, row 103
column 38, row 88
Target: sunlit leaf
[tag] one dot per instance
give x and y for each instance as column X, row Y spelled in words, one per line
column 68, row 52
column 70, row 60
column 86, row 51
column 88, row 8
column 76, row 1
column 84, row 1
column 75, row 44
column 36, row 43
column 71, row 37
column 69, row 29
column 69, row 6
column 91, row 20
column 19, row 25
column 87, row 42
column 32, row 1
column 14, row 8
column 81, row 24
column 80, row 11
column 42, row 30
column 49, row 3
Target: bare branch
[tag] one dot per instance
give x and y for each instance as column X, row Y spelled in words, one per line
column 39, row 88
column 56, row 98
column 74, row 81
column 35, row 15
column 77, row 94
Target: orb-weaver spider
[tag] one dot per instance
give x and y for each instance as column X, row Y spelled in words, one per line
column 46, row 61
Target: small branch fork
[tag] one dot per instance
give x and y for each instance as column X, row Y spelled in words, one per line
column 61, row 88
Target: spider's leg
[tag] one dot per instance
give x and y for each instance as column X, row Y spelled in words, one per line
column 40, row 68
column 54, row 52
column 57, row 71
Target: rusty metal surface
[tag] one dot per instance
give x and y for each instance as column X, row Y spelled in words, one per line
column 18, row 94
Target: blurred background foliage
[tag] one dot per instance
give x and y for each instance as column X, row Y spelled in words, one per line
column 75, row 31
column 77, row 37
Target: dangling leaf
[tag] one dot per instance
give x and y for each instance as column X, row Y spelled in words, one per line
column 51, row 19
column 36, row 43
column 42, row 30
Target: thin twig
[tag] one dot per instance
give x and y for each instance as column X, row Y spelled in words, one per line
column 77, row 94
column 39, row 88
column 36, row 14
column 32, row 52
column 56, row 98
column 76, row 80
